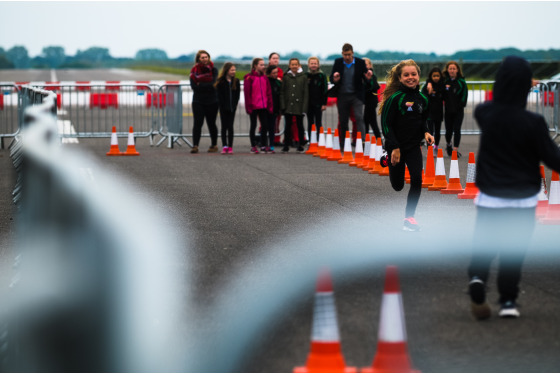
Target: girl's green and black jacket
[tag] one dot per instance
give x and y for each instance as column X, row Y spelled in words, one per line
column 455, row 94
column 403, row 119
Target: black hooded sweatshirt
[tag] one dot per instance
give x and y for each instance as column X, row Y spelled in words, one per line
column 514, row 141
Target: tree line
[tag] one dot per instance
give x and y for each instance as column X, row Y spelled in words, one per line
column 18, row 57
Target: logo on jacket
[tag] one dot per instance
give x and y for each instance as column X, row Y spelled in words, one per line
column 409, row 105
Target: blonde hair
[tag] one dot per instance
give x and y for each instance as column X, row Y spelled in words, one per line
column 393, row 81
column 313, row 58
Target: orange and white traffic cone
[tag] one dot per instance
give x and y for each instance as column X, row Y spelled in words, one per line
column 471, row 190
column 367, row 150
column 321, row 146
column 348, row 157
column 114, row 150
column 359, row 154
column 313, row 141
column 328, row 145
column 392, row 350
column 542, row 204
column 335, row 155
column 131, row 148
column 454, row 185
column 377, row 168
column 372, row 150
column 440, row 180
column 430, row 174
column 326, row 354
column 552, row 216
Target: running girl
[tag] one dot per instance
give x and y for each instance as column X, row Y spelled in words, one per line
column 404, row 111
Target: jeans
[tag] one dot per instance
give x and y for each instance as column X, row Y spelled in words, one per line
column 261, row 114
column 344, row 103
column 210, row 112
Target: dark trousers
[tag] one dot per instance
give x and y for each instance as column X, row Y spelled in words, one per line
column 413, row 159
column 453, row 123
column 344, row 103
column 370, row 119
column 261, row 114
column 268, row 131
column 434, row 126
column 210, row 112
column 505, row 232
column 288, row 129
column 227, row 118
column 314, row 117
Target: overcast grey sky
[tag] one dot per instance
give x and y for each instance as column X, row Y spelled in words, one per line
column 255, row 28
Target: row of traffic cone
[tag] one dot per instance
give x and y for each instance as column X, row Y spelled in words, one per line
column 325, row 354
column 433, row 178
column 130, row 149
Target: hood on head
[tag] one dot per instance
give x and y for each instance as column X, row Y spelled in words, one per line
column 513, row 82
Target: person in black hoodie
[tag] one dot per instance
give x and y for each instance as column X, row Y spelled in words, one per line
column 513, row 143
column 404, row 111
column 229, row 90
column 433, row 90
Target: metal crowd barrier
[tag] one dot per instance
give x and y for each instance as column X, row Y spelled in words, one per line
column 10, row 104
column 90, row 110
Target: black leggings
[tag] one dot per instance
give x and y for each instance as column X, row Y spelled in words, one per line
column 453, row 123
column 314, row 117
column 413, row 159
column 434, row 126
column 503, row 232
column 262, row 116
column 227, row 118
column 370, row 119
column 210, row 112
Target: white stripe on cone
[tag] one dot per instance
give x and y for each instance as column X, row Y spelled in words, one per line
column 454, row 169
column 391, row 323
column 325, row 324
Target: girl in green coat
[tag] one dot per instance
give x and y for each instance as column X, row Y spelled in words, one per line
column 294, row 101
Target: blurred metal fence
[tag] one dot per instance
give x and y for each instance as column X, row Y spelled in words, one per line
column 90, row 110
column 93, row 286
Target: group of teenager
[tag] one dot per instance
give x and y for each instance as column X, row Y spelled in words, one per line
column 509, row 186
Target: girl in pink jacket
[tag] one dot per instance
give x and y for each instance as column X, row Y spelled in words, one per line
column 258, row 98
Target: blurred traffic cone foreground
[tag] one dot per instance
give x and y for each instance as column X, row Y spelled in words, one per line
column 392, row 351
column 326, row 355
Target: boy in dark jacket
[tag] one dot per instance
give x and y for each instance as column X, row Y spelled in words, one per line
column 513, row 143
column 318, row 87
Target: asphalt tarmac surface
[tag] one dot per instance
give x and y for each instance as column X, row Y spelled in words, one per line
column 237, row 210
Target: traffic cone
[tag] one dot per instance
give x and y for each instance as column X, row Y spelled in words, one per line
column 392, row 351
column 335, row 154
column 131, row 148
column 471, row 190
column 454, row 186
column 348, row 157
column 377, row 168
column 542, row 204
column 440, row 181
column 114, row 150
column 367, row 150
column 430, row 174
column 326, row 354
column 359, row 154
column 313, row 142
column 321, row 146
column 372, row 151
column 328, row 145
column 552, row 216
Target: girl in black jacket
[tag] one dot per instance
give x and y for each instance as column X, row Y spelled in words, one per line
column 433, row 90
column 404, row 111
column 229, row 89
